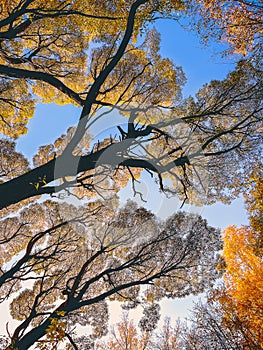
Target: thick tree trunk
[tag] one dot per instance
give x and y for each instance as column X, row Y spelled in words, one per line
column 35, row 182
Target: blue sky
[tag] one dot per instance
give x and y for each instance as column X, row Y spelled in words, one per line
column 200, row 63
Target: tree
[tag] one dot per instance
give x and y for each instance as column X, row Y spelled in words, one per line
column 125, row 336
column 239, row 23
column 254, row 205
column 128, row 249
column 169, row 337
column 216, row 326
column 44, row 49
column 133, row 79
column 68, row 259
column 232, row 316
column 242, row 282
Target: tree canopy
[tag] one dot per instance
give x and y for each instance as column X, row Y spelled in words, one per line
column 128, row 249
column 111, row 70
column 231, row 318
column 238, row 22
column 63, row 261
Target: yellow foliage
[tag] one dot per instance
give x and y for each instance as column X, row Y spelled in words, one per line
column 55, row 333
column 243, row 277
column 237, row 22
column 61, row 313
column 54, row 39
column 254, row 205
column 17, row 107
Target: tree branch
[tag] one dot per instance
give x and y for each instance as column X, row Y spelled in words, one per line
column 41, row 76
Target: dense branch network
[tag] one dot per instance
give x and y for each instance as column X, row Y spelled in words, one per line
column 224, row 119
column 88, row 53
column 104, row 270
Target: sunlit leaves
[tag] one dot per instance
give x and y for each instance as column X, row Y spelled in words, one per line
column 232, row 317
column 151, row 316
column 125, row 335
column 117, row 251
column 22, row 309
column 151, row 80
column 254, row 206
column 55, row 334
column 12, row 163
column 243, row 285
column 222, row 123
column 53, row 39
column 237, row 22
column 68, row 260
column 17, row 107
column 51, row 151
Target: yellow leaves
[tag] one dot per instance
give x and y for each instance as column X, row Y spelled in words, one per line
column 141, row 77
column 55, row 333
column 123, row 176
column 124, row 336
column 40, row 183
column 49, row 94
column 12, row 163
column 238, row 23
column 54, row 45
column 254, row 205
column 17, row 107
column 238, row 252
column 56, row 327
column 243, row 281
column 20, row 307
column 58, row 45
column 12, row 346
column 61, row 313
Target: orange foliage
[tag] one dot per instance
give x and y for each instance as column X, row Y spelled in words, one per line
column 243, row 279
column 237, row 22
column 254, row 201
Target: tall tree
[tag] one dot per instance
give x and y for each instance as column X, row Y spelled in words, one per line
column 216, row 326
column 126, row 249
column 254, row 205
column 168, row 337
column 132, row 78
column 238, row 22
column 74, row 259
column 232, row 317
column 125, row 336
column 242, row 282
